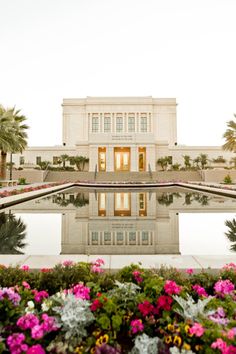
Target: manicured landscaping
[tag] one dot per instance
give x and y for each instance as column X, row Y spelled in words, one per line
column 80, row 308
column 10, row 192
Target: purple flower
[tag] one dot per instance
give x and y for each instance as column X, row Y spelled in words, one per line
column 11, row 295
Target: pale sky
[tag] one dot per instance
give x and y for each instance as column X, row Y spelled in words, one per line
column 55, row 49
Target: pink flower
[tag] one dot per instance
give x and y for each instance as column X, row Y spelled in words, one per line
column 45, row 270
column 96, row 269
column 49, row 323
column 231, row 333
column 136, row 326
column 224, row 287
column 40, row 295
column 200, row 290
column 15, row 343
column 68, row 263
column 137, row 276
column 27, row 321
column 230, row 266
column 37, row 332
column 26, row 285
column 197, row 329
column 219, row 344
column 146, row 308
column 36, row 349
column 96, row 266
column 171, row 287
column 25, row 268
column 189, row 271
column 81, row 291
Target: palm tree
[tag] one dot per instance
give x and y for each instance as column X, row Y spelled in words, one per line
column 187, row 161
column 12, row 134
column 203, row 160
column 63, row 159
column 79, row 161
column 230, row 136
column 12, row 234
column 163, row 162
column 231, row 233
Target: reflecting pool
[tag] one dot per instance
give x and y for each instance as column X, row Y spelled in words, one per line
column 156, row 221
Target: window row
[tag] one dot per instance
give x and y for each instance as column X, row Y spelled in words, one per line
column 121, row 238
column 121, row 124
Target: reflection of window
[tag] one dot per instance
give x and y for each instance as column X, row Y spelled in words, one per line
column 22, row 160
column 131, row 124
column 94, row 237
column 132, row 237
column 144, row 237
column 107, row 124
column 119, row 124
column 94, row 124
column 119, row 237
column 107, row 236
column 102, row 204
column 142, row 204
column 122, row 204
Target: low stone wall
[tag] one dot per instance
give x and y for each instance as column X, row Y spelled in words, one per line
column 31, row 176
column 218, row 175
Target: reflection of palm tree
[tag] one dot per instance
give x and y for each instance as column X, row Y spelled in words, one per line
column 166, row 199
column 78, row 200
column 12, row 234
column 231, row 233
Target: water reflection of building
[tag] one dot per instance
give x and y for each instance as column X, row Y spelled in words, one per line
column 121, row 222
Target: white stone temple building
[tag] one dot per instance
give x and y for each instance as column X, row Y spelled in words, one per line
column 118, row 134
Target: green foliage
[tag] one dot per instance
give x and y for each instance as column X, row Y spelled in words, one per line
column 22, row 181
column 164, row 162
column 230, row 136
column 227, row 179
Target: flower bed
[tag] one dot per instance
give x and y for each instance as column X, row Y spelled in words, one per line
column 9, row 193
column 78, row 308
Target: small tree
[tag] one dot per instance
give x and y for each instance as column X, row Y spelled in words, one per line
column 203, row 158
column 187, row 161
column 230, row 136
column 163, row 162
column 63, row 159
column 44, row 164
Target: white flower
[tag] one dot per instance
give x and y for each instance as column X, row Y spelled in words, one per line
column 30, row 307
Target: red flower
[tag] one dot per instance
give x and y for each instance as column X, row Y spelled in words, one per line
column 95, row 305
column 164, row 303
column 146, row 308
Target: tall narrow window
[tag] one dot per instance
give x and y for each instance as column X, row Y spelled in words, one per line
column 94, row 124
column 143, row 126
column 22, row 160
column 38, row 160
column 107, row 124
column 119, row 124
column 131, row 124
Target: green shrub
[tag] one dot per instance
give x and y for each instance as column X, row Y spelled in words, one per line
column 227, row 179
column 22, row 181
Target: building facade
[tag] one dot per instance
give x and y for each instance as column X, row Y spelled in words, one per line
column 118, row 134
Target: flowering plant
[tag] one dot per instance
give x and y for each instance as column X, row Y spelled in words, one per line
column 74, row 309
